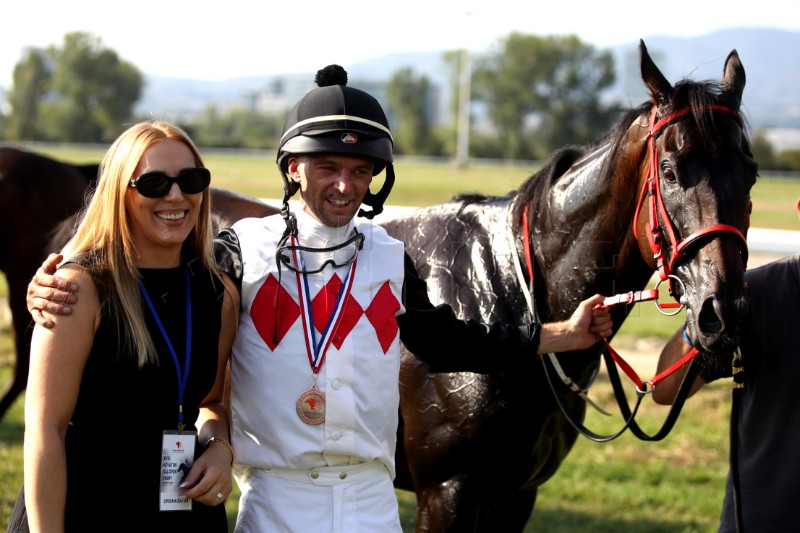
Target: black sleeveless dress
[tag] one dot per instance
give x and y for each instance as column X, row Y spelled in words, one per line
column 113, row 443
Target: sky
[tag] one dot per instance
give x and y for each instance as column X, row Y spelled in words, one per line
column 219, row 40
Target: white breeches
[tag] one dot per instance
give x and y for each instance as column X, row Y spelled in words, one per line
column 336, row 499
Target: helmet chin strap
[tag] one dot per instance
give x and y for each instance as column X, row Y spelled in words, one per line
column 288, row 217
column 376, row 200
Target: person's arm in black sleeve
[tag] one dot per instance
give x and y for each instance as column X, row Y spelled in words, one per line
column 228, row 255
column 435, row 335
column 448, row 344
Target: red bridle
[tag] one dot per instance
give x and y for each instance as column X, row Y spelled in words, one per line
column 651, row 190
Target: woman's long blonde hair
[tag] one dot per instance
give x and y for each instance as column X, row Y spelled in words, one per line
column 104, row 233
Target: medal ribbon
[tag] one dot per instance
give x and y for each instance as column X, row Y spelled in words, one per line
column 317, row 350
column 183, row 377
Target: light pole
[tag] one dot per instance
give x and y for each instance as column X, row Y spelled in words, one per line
column 462, row 128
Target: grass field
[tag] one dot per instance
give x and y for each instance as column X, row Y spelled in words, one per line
column 626, row 485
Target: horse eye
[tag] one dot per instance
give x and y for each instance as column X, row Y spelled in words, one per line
column 668, row 172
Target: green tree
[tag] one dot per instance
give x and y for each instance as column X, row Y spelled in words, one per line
column 789, row 160
column 543, row 92
column 763, row 151
column 92, row 91
column 31, row 80
column 411, row 103
column 244, row 128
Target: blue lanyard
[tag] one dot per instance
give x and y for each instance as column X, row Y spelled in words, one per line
column 182, row 376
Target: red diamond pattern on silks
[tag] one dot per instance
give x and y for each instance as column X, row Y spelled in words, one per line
column 351, row 314
column 264, row 309
column 382, row 314
column 324, row 304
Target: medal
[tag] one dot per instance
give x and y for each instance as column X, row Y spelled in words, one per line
column 311, row 406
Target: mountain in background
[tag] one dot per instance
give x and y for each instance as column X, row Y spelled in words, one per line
column 770, row 59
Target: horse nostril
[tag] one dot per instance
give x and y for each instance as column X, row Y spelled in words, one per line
column 708, row 320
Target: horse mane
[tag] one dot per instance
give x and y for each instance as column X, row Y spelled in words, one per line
column 469, row 198
column 533, row 189
column 555, row 167
column 696, row 95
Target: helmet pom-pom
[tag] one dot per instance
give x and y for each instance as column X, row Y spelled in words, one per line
column 331, row 75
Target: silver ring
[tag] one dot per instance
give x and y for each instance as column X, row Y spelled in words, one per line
column 220, row 496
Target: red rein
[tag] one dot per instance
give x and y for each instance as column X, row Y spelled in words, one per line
column 642, row 387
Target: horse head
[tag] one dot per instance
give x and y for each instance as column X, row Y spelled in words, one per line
column 694, row 206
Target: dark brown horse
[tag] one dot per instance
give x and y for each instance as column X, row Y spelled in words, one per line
column 39, row 198
column 36, row 194
column 476, row 448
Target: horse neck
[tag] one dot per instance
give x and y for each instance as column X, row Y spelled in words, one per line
column 582, row 226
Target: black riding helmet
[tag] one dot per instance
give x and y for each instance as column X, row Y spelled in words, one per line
column 336, row 119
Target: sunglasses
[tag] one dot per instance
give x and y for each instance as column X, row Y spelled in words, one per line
column 158, row 184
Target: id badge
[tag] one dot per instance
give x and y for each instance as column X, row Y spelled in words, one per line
column 177, row 456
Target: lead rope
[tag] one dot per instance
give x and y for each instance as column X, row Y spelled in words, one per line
column 611, row 357
column 527, row 291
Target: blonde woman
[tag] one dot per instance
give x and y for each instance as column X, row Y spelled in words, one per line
column 125, row 426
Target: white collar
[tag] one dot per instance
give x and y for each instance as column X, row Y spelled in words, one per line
column 314, row 233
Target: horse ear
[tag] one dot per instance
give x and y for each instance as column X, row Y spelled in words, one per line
column 660, row 87
column 733, row 77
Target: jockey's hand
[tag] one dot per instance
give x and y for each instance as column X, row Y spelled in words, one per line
column 590, row 323
column 50, row 293
column 598, row 317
